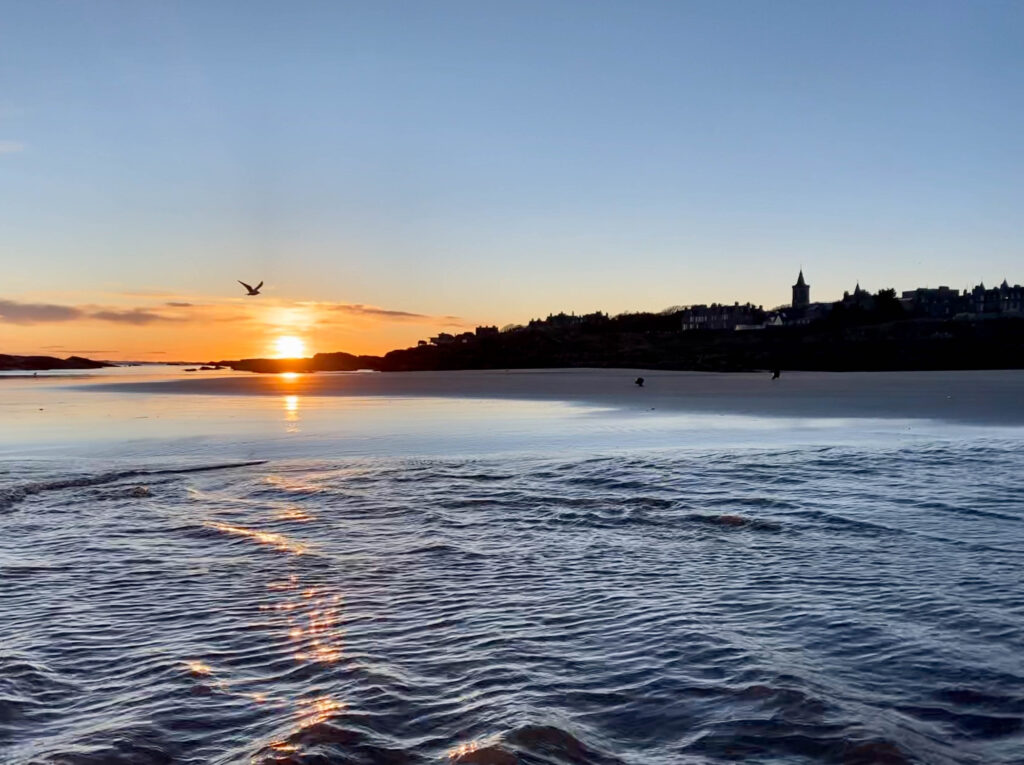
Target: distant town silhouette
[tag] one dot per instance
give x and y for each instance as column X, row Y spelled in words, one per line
column 922, row 328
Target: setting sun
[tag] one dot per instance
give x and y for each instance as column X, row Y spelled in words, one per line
column 289, row 347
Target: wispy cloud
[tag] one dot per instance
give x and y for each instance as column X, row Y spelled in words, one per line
column 358, row 309
column 282, row 315
column 13, row 312
column 145, row 293
column 137, row 316
column 37, row 313
column 390, row 314
column 11, row 147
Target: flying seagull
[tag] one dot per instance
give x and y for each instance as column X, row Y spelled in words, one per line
column 252, row 290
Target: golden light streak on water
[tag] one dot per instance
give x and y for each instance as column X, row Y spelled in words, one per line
column 291, row 413
column 282, row 746
column 293, row 514
column 315, row 711
column 314, row 626
column 289, row 584
column 199, row 669
column 291, row 485
column 469, row 748
column 463, row 749
column 280, row 541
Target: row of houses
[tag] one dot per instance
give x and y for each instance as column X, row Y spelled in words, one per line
column 935, row 303
column 446, row 338
column 945, row 302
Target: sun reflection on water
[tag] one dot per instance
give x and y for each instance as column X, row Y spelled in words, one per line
column 318, row 710
column 291, row 485
column 463, row 749
column 312, row 621
column 309, row 618
column 291, row 413
column 296, row 514
column 495, row 756
column 199, row 669
column 303, row 620
column 280, row 541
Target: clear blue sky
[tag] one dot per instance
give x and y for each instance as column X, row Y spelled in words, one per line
column 499, row 160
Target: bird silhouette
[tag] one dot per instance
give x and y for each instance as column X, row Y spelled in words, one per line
column 252, row 290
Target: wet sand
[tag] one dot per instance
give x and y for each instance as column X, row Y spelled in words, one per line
column 990, row 397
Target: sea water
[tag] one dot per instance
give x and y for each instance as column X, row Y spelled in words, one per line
column 290, row 579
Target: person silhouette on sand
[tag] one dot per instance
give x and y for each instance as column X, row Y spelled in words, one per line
column 639, row 382
column 776, row 374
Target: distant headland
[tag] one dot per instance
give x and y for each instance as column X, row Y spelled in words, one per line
column 41, row 363
column 922, row 329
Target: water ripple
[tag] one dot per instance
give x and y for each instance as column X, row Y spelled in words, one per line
column 795, row 605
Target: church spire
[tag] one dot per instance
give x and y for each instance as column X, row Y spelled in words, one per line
column 801, row 292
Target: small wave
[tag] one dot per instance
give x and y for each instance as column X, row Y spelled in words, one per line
column 734, row 521
column 532, row 743
column 967, row 725
column 11, row 495
column 485, row 612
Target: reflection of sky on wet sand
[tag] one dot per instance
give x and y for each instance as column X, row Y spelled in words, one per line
column 291, row 413
column 48, row 416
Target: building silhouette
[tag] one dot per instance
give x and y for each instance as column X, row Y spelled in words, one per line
column 717, row 316
column 801, row 292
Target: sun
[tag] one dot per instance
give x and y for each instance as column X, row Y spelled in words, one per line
column 289, row 347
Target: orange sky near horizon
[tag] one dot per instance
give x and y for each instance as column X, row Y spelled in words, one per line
column 195, row 328
column 381, row 165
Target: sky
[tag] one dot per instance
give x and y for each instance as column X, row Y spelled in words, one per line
column 396, row 169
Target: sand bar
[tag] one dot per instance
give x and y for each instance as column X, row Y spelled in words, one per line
column 992, row 397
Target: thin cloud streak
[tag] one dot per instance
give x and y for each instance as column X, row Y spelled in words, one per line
column 13, row 312
column 136, row 316
column 389, row 314
column 11, row 147
column 37, row 313
column 358, row 309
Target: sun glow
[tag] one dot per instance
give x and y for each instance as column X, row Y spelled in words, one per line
column 289, row 347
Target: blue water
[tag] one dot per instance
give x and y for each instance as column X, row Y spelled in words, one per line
column 498, row 582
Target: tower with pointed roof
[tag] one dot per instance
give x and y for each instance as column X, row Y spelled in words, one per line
column 801, row 292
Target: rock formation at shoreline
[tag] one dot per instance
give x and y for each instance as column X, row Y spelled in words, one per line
column 42, row 363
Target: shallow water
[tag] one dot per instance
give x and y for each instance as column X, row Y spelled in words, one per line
column 412, row 581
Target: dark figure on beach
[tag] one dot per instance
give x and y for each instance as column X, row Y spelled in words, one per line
column 776, row 374
column 639, row 382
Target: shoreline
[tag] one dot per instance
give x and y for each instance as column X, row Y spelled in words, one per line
column 990, row 397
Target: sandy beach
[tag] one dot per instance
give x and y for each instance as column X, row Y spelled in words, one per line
column 989, row 397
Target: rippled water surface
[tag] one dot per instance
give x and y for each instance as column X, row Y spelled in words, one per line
column 541, row 585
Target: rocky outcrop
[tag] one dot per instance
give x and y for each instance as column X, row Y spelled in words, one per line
column 41, row 363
